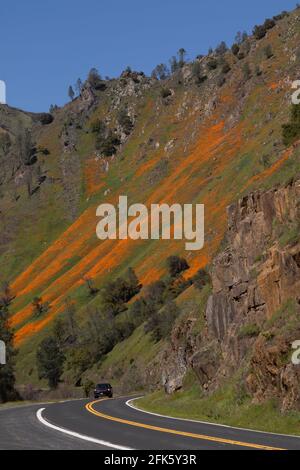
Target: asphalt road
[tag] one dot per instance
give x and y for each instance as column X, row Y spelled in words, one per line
column 112, row 424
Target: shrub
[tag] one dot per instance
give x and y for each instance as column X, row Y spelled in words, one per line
column 45, row 118
column 212, row 64
column 235, row 49
column 249, row 331
column 6, row 296
column 5, row 142
column 155, row 293
column 161, row 72
column 196, row 69
column 221, row 80
column 261, row 30
column 98, row 126
column 226, row 68
column 165, row 93
column 161, row 323
column 91, row 286
column 281, row 15
column 246, row 71
column 201, row 279
column 197, row 73
column 176, row 266
column 269, row 23
column 258, row 71
column 290, row 235
column 221, row 49
column 291, row 131
column 265, row 161
column 139, row 311
column 88, row 386
column 107, row 145
column 43, row 150
column 40, row 307
column 26, row 148
column 117, row 293
column 125, row 121
column 268, row 51
column 95, row 80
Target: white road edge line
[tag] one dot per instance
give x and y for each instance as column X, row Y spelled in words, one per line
column 130, row 404
column 39, row 415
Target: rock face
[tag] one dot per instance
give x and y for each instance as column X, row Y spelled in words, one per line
column 253, row 314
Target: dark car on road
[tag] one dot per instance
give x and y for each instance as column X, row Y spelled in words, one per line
column 103, row 390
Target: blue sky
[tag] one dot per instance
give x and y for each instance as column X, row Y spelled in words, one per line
column 46, row 45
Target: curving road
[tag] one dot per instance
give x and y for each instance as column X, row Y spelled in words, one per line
column 113, row 424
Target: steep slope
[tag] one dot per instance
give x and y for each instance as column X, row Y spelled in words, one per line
column 252, row 317
column 204, row 141
column 236, row 365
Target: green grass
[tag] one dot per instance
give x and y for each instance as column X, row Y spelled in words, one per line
column 285, row 319
column 249, row 331
column 291, row 235
column 223, row 407
column 130, row 357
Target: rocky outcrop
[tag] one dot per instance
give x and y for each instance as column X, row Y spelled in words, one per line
column 253, row 278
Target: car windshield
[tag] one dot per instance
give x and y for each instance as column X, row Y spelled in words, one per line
column 102, row 386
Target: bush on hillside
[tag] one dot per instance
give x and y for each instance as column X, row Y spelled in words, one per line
column 198, row 74
column 221, row 81
column 108, row 144
column 291, row 131
column 235, row 49
column 95, row 80
column 226, row 67
column 246, row 71
column 201, row 279
column 40, row 307
column 161, row 323
column 268, row 51
column 260, row 31
column 176, row 266
column 119, row 292
column 98, row 126
column 221, row 49
column 92, row 289
column 165, row 93
column 212, row 64
column 125, row 121
column 161, row 72
column 281, row 15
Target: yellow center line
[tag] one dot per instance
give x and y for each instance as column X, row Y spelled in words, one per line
column 203, row 437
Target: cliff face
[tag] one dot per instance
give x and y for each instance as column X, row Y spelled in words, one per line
column 252, row 316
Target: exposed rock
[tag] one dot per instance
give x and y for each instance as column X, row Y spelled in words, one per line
column 87, row 98
column 252, row 278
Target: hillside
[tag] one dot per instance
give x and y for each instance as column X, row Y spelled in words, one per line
column 209, row 133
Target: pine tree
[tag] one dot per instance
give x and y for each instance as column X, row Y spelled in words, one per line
column 78, row 86
column 181, row 56
column 71, row 93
